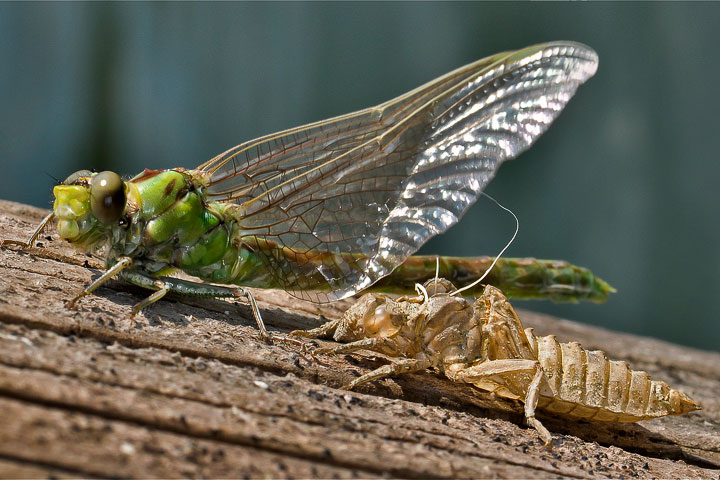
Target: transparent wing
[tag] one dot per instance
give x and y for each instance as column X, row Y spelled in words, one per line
column 334, row 206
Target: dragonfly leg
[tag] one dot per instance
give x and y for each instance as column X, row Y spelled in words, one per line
column 405, row 365
column 163, row 289
column 184, row 287
column 116, row 269
column 501, row 368
column 264, row 334
column 34, row 235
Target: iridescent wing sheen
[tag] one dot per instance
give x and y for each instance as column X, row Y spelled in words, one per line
column 336, row 205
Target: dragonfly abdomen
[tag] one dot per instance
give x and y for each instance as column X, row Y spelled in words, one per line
column 517, row 277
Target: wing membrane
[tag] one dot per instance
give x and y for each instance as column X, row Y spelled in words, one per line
column 336, row 205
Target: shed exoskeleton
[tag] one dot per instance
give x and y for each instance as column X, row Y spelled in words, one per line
column 485, row 344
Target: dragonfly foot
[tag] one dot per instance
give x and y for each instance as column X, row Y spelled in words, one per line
column 270, row 338
column 20, row 243
column 70, row 304
column 33, row 237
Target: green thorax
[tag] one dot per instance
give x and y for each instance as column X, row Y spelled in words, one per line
column 174, row 227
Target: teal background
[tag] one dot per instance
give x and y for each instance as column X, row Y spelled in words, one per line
column 625, row 182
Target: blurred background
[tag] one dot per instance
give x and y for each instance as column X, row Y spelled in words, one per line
column 625, row 182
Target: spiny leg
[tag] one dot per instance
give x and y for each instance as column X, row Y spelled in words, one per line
column 503, row 333
column 496, row 367
column 325, row 330
column 531, row 400
column 420, row 298
column 163, row 289
column 405, row 365
column 512, row 366
column 370, row 343
column 264, row 334
column 508, row 349
column 175, row 285
column 184, row 287
column 123, row 263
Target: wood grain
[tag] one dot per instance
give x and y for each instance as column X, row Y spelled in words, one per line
column 187, row 389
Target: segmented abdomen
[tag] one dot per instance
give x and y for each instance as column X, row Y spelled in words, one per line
column 585, row 384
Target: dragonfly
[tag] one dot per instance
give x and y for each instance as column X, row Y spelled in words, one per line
column 332, row 208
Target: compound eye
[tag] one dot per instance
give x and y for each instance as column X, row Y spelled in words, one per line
column 107, row 197
column 76, row 176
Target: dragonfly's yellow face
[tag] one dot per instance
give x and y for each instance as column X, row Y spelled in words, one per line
column 87, row 205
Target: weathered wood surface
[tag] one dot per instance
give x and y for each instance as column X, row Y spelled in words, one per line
column 187, row 389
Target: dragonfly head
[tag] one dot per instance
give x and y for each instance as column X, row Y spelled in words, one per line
column 87, row 206
column 374, row 315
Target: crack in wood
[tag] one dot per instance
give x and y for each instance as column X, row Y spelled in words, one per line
column 55, row 467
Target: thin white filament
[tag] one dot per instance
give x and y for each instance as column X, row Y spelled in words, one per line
column 421, row 291
column 517, row 228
